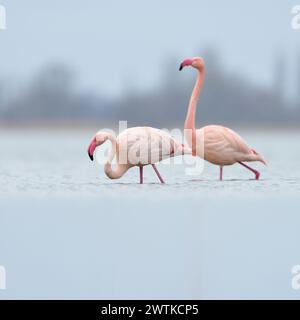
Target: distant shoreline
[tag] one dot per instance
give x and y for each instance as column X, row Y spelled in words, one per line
column 87, row 125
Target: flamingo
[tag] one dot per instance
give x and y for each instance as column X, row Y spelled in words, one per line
column 222, row 146
column 137, row 146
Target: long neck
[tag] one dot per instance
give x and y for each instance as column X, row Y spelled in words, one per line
column 189, row 125
column 120, row 169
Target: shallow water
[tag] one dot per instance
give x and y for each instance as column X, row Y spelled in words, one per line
column 66, row 231
column 56, row 163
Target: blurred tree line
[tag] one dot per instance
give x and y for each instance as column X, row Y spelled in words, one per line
column 52, row 95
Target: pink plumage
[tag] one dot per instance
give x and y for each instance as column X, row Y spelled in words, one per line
column 138, row 146
column 216, row 144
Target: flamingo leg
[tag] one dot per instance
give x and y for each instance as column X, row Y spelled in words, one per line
column 221, row 173
column 257, row 174
column 141, row 175
column 157, row 173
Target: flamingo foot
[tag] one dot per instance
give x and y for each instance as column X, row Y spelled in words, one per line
column 158, row 174
column 141, row 175
column 257, row 174
column 221, row 173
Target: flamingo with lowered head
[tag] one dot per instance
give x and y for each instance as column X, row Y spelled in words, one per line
column 138, row 146
column 216, row 144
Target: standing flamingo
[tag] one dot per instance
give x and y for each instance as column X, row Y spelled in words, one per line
column 222, row 146
column 138, row 146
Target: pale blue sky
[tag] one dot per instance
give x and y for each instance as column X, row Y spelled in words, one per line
column 114, row 42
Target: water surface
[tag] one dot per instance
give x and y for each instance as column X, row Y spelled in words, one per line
column 66, row 231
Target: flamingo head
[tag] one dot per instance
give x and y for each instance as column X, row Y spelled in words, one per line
column 97, row 140
column 196, row 62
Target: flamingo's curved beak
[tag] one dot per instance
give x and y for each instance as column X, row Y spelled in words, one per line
column 185, row 63
column 91, row 156
column 92, row 148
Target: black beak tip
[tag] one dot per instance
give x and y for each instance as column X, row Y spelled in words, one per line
column 91, row 157
column 180, row 67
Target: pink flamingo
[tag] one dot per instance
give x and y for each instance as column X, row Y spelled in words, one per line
column 221, row 146
column 138, row 146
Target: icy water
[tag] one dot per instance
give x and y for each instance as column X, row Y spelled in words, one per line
column 66, row 231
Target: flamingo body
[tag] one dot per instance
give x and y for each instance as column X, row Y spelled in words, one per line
column 223, row 146
column 145, row 145
column 137, row 146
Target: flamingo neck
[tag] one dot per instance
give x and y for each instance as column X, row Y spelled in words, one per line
column 119, row 170
column 189, row 125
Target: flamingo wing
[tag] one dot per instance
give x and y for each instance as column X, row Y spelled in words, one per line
column 223, row 145
column 145, row 145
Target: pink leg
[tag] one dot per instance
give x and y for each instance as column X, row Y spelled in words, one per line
column 156, row 171
column 257, row 174
column 141, row 175
column 221, row 173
